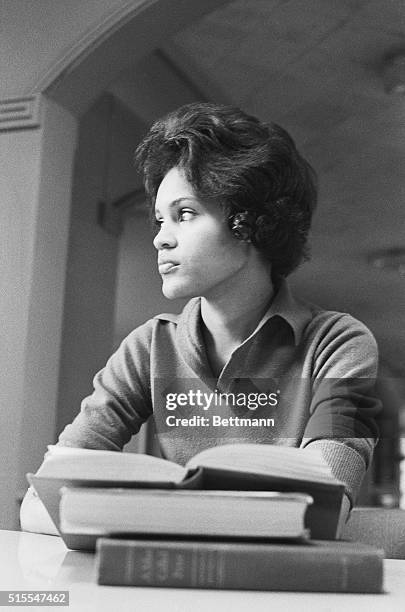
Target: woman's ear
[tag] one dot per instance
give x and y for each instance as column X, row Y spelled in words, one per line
column 242, row 225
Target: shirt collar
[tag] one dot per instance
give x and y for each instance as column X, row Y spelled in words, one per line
column 295, row 312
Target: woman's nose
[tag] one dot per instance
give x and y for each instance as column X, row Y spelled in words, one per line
column 165, row 238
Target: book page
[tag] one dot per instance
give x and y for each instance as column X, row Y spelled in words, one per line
column 87, row 464
column 267, row 459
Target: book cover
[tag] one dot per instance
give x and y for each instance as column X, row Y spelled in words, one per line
column 317, row 566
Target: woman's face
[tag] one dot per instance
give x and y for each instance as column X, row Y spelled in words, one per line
column 197, row 253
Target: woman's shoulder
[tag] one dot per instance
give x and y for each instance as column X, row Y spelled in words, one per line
column 332, row 323
column 342, row 344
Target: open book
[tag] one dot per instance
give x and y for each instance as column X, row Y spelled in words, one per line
column 238, row 467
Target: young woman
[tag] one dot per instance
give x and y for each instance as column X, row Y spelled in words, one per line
column 233, row 201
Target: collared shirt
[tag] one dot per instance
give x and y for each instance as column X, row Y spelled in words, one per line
column 303, row 378
column 296, row 313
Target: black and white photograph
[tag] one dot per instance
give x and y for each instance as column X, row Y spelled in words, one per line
column 202, row 388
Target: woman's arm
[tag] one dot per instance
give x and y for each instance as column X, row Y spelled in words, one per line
column 121, row 399
column 344, row 405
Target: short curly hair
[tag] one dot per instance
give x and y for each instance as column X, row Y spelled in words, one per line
column 232, row 158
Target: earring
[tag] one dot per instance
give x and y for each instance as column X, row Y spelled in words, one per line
column 241, row 225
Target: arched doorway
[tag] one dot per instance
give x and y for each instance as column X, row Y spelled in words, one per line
column 39, row 144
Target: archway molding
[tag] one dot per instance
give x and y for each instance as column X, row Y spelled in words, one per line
column 115, row 45
column 38, row 140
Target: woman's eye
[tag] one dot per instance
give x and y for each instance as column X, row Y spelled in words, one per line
column 186, row 215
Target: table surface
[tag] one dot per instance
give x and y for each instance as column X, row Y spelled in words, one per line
column 31, row 561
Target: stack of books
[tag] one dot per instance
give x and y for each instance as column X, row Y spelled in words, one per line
column 235, row 517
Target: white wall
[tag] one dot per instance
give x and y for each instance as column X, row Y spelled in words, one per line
column 17, row 214
column 35, row 35
column 103, row 171
column 34, row 185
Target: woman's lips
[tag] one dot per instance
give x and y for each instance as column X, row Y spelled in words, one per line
column 167, row 267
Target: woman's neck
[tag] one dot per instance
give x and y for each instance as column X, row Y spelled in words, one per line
column 236, row 320
column 225, row 329
column 233, row 314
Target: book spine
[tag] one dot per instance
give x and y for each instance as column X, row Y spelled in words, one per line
column 219, row 565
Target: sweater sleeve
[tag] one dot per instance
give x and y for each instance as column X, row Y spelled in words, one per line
column 121, row 400
column 344, row 405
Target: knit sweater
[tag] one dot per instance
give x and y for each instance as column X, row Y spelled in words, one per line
column 303, row 378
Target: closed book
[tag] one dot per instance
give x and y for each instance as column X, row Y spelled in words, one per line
column 317, row 566
column 244, row 514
